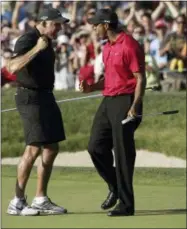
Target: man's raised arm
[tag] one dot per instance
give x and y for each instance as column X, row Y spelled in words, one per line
column 16, row 63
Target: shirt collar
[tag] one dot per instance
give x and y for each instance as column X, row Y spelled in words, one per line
column 37, row 32
column 119, row 39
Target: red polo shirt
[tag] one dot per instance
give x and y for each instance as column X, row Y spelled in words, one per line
column 121, row 59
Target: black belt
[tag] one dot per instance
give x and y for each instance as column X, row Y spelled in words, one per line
column 36, row 89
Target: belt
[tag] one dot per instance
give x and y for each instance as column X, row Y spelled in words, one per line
column 36, row 89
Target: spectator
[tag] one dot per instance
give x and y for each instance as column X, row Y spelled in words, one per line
column 160, row 28
column 148, row 26
column 86, row 26
column 160, row 23
column 87, row 57
column 139, row 34
column 174, row 44
column 7, row 78
column 63, row 76
column 131, row 26
column 98, row 64
column 152, row 71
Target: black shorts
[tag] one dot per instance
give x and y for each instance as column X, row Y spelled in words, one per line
column 40, row 115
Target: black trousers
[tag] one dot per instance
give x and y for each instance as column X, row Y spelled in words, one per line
column 108, row 133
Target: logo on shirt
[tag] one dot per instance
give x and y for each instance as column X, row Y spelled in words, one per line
column 116, row 54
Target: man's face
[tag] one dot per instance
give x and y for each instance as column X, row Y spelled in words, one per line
column 180, row 23
column 138, row 33
column 52, row 28
column 160, row 30
column 146, row 22
column 101, row 31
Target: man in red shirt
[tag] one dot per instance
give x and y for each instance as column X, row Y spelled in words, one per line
column 123, row 88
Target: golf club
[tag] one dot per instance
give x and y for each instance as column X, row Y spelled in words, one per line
column 128, row 119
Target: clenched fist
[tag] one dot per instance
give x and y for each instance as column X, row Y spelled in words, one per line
column 42, row 43
column 84, row 87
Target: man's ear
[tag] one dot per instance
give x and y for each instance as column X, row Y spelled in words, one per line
column 106, row 25
column 44, row 23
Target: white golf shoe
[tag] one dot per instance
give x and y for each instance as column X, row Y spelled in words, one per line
column 47, row 207
column 20, row 207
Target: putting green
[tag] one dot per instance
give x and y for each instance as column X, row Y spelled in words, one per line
column 160, row 203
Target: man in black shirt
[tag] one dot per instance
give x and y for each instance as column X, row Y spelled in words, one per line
column 33, row 64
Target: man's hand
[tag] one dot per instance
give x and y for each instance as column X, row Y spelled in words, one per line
column 167, row 47
column 84, row 87
column 42, row 43
column 132, row 112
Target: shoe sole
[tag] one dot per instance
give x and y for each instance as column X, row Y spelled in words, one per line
column 119, row 215
column 13, row 213
column 106, row 208
column 110, row 214
column 50, row 212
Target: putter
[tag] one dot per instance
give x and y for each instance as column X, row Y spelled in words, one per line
column 129, row 119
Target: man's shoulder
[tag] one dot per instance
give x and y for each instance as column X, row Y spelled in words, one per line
column 26, row 41
column 129, row 42
column 129, row 39
column 28, row 36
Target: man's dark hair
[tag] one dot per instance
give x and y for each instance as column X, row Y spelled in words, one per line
column 117, row 27
column 113, row 26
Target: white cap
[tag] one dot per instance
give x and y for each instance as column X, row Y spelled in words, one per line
column 62, row 39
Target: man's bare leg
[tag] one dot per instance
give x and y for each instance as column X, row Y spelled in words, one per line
column 41, row 202
column 24, row 169
column 45, row 168
column 18, row 205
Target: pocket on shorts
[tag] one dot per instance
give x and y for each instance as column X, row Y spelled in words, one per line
column 21, row 98
column 33, row 97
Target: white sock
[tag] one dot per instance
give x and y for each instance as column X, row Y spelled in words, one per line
column 17, row 199
column 40, row 199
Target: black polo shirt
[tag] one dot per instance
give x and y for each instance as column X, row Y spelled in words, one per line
column 39, row 73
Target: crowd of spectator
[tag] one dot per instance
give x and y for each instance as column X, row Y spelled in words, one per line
column 159, row 26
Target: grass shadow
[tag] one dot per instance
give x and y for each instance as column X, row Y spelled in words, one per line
column 137, row 213
column 140, row 212
column 160, row 212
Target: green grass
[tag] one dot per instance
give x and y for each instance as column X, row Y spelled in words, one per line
column 160, row 199
column 165, row 134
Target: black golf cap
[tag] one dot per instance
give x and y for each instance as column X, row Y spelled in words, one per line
column 51, row 14
column 104, row 16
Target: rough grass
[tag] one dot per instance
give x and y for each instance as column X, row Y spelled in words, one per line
column 165, row 134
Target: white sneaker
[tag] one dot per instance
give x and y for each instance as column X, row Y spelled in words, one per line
column 21, row 207
column 47, row 207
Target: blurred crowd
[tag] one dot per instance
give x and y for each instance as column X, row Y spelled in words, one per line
column 159, row 26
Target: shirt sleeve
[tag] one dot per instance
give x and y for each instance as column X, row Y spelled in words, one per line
column 24, row 44
column 135, row 56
